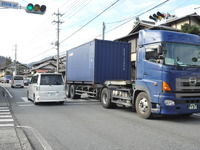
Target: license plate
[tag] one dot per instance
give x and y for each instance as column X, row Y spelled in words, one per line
column 192, row 106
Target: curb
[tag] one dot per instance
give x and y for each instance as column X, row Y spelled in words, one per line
column 20, row 134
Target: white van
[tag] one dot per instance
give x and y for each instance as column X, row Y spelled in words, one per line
column 46, row 87
column 17, row 81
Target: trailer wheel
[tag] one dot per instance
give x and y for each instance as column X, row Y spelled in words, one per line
column 143, row 106
column 105, row 98
column 73, row 94
column 68, row 90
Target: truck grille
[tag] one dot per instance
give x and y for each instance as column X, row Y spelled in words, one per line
column 188, row 88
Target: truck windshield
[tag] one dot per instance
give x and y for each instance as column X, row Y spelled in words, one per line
column 182, row 55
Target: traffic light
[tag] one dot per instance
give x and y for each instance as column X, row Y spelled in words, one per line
column 153, row 18
column 159, row 16
column 36, row 9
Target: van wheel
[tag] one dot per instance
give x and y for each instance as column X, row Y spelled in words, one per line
column 28, row 96
column 61, row 102
column 143, row 106
column 68, row 90
column 73, row 95
column 34, row 100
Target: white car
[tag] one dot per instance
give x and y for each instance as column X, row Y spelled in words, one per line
column 17, row 81
column 46, row 87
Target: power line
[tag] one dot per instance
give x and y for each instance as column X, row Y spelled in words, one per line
column 134, row 17
column 78, row 10
column 90, row 21
column 39, row 54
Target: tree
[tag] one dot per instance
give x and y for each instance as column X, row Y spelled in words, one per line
column 192, row 29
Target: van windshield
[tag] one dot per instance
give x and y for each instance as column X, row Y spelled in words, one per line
column 18, row 78
column 51, row 80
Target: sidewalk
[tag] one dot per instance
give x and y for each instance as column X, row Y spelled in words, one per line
column 11, row 137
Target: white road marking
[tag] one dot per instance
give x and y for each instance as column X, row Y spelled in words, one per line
column 3, row 107
column 4, row 110
column 6, row 120
column 42, row 141
column 5, row 116
column 6, row 125
column 8, row 93
column 25, row 99
column 4, row 113
column 196, row 114
column 26, row 105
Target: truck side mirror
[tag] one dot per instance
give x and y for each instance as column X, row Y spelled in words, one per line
column 160, row 50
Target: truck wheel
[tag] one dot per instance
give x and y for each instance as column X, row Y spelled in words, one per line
column 72, row 92
column 143, row 106
column 68, row 90
column 105, row 98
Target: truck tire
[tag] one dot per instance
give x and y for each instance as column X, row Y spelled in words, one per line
column 106, row 99
column 72, row 92
column 143, row 106
column 68, row 90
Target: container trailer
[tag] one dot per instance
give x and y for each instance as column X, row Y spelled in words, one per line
column 167, row 79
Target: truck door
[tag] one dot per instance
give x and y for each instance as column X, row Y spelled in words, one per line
column 152, row 71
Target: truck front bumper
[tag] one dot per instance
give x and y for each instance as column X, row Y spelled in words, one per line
column 169, row 105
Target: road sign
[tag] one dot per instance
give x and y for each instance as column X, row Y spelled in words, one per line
column 7, row 4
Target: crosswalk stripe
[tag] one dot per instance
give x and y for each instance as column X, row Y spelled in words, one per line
column 2, row 110
column 5, row 116
column 25, row 99
column 3, row 107
column 26, row 105
column 5, row 113
column 6, row 125
column 6, row 120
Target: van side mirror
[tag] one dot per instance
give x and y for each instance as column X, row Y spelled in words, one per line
column 160, row 50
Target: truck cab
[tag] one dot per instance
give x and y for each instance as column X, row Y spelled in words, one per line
column 167, row 73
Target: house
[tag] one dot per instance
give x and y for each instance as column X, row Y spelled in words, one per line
column 44, row 65
column 9, row 70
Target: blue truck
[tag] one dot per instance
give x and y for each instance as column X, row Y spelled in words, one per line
column 167, row 76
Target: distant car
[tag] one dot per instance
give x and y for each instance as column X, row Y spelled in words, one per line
column 1, row 79
column 26, row 81
column 47, row 87
column 17, row 81
column 7, row 78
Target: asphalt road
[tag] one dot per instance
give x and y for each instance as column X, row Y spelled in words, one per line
column 84, row 124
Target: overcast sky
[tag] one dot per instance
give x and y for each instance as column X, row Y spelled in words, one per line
column 33, row 34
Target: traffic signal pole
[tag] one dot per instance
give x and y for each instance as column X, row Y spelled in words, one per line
column 58, row 35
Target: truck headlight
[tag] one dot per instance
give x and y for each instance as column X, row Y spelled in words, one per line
column 169, row 102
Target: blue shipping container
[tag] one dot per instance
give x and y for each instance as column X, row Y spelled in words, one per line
column 98, row 61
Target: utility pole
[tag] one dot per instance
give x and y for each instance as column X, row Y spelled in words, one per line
column 15, row 73
column 104, row 28
column 57, row 43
